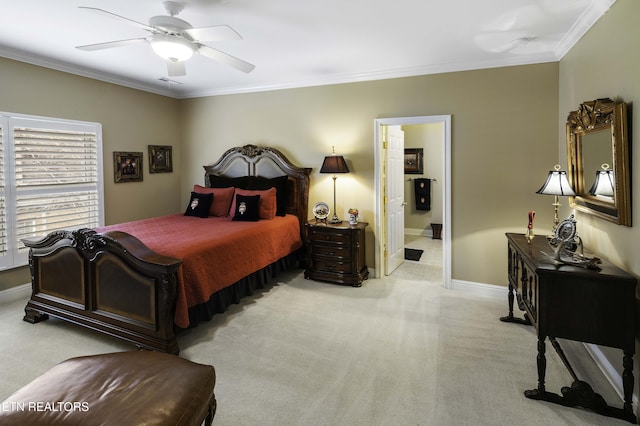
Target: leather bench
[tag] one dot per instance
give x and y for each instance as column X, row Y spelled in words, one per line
column 124, row 388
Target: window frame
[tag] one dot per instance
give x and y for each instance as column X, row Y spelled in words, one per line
column 8, row 122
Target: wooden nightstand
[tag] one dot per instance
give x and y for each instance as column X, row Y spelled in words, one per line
column 336, row 253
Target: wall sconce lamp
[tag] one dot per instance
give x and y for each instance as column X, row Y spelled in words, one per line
column 557, row 184
column 334, row 164
column 605, row 182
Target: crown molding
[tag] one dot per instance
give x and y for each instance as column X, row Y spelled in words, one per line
column 376, row 75
column 40, row 61
column 588, row 18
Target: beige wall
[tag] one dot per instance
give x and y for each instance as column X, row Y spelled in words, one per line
column 504, row 127
column 605, row 64
column 504, row 141
column 131, row 120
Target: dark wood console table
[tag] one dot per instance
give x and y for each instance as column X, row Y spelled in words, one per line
column 575, row 303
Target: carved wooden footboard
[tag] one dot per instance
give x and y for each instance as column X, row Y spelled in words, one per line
column 108, row 282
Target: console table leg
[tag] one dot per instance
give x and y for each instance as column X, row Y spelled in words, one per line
column 580, row 393
column 510, row 298
column 540, row 393
column 627, row 381
column 509, row 317
column 542, row 363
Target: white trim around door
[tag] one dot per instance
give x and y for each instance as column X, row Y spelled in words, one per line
column 378, row 207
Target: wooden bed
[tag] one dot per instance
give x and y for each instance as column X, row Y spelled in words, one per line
column 113, row 283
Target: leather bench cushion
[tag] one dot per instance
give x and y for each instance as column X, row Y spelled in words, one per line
column 124, row 388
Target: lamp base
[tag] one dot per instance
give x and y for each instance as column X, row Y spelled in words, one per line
column 335, row 220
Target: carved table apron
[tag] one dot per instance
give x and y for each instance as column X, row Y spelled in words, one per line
column 575, row 303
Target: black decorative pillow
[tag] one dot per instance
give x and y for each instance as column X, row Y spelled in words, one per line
column 279, row 183
column 226, row 182
column 247, row 208
column 199, row 205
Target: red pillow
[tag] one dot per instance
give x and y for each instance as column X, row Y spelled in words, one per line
column 268, row 205
column 221, row 199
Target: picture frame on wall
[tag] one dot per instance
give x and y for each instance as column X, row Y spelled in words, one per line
column 413, row 161
column 127, row 167
column 160, row 159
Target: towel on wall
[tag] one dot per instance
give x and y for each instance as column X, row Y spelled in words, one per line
column 422, row 189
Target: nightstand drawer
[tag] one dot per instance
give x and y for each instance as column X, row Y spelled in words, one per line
column 319, row 234
column 334, row 251
column 332, row 266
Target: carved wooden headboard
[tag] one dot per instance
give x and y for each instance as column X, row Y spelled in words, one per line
column 252, row 160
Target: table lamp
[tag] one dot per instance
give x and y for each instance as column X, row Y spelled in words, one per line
column 334, row 164
column 605, row 182
column 557, row 184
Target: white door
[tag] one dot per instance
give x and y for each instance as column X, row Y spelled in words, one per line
column 395, row 198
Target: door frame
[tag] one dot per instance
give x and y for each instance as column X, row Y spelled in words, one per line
column 446, row 193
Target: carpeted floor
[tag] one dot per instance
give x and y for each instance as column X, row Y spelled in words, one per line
column 396, row 351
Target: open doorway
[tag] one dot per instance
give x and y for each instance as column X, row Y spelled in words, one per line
column 383, row 180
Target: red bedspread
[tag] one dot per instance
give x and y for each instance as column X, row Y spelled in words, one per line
column 216, row 252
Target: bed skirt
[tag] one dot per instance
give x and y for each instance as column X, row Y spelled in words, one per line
column 222, row 299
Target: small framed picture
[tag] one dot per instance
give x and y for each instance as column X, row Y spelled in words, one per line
column 160, row 160
column 127, row 167
column 413, row 161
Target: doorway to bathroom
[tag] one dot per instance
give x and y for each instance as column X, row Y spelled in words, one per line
column 431, row 135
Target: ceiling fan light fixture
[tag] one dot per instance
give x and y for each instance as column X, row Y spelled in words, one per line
column 171, row 48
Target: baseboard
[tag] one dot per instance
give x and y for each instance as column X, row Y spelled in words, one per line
column 15, row 293
column 419, row 232
column 609, row 372
column 480, row 289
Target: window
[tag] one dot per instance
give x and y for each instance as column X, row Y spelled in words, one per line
column 50, row 179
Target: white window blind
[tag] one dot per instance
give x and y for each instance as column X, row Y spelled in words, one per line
column 53, row 174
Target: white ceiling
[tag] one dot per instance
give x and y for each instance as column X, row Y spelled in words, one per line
column 296, row 43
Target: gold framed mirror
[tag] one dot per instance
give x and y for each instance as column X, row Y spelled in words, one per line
column 599, row 163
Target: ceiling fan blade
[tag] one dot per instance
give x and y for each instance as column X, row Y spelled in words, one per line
column 215, row 33
column 225, row 58
column 176, row 69
column 169, row 81
column 110, row 44
column 113, row 15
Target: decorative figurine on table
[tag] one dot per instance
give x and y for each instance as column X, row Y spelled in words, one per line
column 353, row 216
column 568, row 247
column 530, row 233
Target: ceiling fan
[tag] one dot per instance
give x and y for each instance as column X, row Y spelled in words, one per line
column 524, row 30
column 175, row 40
